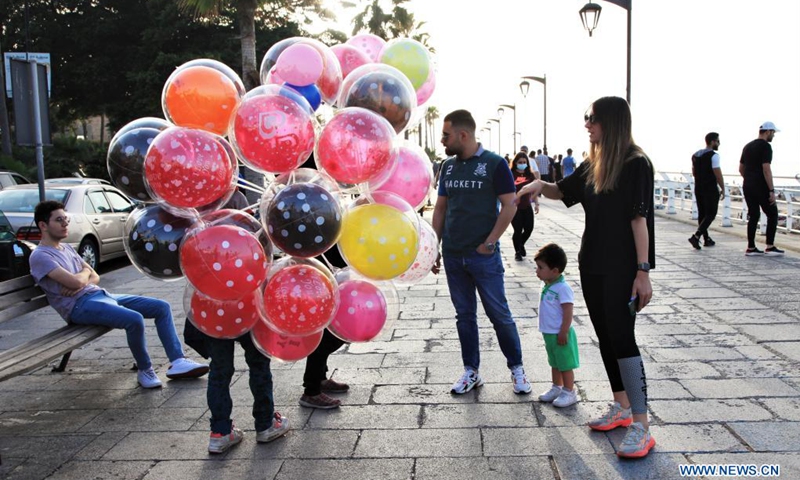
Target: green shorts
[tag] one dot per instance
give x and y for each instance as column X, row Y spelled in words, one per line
column 562, row 357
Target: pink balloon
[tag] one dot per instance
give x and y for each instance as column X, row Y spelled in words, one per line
column 371, row 45
column 281, row 347
column 350, row 58
column 410, row 178
column 426, row 256
column 362, row 312
column 300, row 65
column 426, row 90
column 272, row 133
column 188, row 168
column 355, row 146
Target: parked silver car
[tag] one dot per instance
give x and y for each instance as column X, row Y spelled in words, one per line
column 97, row 211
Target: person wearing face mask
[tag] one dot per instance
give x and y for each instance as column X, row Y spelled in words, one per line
column 525, row 172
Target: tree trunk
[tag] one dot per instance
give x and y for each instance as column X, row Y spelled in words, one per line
column 246, row 11
column 5, row 126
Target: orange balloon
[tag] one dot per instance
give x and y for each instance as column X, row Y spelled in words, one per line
column 201, row 97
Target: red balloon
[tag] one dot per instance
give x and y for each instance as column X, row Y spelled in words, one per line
column 282, row 347
column 188, row 168
column 272, row 133
column 223, row 261
column 299, row 300
column 224, row 318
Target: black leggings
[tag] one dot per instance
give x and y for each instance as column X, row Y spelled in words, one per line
column 523, row 228
column 607, row 298
column 759, row 199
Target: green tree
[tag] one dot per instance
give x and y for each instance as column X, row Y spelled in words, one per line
column 395, row 23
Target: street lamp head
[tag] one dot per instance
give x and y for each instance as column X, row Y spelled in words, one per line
column 590, row 15
column 524, row 86
column 500, row 111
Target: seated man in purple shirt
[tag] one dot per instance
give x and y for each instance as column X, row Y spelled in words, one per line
column 71, row 288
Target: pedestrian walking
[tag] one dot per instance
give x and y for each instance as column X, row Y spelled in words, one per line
column 709, row 188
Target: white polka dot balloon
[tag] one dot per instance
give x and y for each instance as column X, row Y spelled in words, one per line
column 224, row 319
column 152, row 238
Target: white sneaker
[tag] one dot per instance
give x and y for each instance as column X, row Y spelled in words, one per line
column 551, row 394
column 469, row 380
column 218, row 443
column 566, row 398
column 185, row 368
column 279, row 428
column 148, row 378
column 520, row 381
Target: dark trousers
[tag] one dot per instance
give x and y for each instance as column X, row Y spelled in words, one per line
column 317, row 363
column 218, row 392
column 607, row 298
column 707, row 206
column 523, row 228
column 759, row 199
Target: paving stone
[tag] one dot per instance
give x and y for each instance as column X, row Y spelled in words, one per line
column 769, row 436
column 365, row 417
column 739, row 388
column 756, row 352
column 790, row 350
column 763, row 316
column 33, row 469
column 785, row 408
column 543, row 441
column 482, row 468
column 756, row 368
column 58, row 447
column 45, row 421
column 382, row 376
column 98, row 447
column 364, row 360
column 356, row 469
column 425, row 334
column 395, row 346
column 704, row 411
column 420, row 395
column 680, row 370
column 693, row 354
column 161, row 446
column 478, row 415
column 144, row 420
column 734, row 304
column 772, row 333
column 419, row 443
column 656, row 466
column 705, row 293
column 215, row 470
column 81, row 470
column 715, row 340
column 656, row 389
column 688, row 438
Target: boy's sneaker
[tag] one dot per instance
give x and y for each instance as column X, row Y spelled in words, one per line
column 469, row 380
column 321, row 401
column 332, row 386
column 773, row 251
column 551, row 394
column 185, row 368
column 695, row 242
column 218, row 442
column 708, row 242
column 279, row 428
column 615, row 417
column 148, row 378
column 520, row 381
column 637, row 442
column 566, row 398
column 752, row 252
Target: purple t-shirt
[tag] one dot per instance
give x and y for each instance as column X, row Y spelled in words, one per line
column 46, row 259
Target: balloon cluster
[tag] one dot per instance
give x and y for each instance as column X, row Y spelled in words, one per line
column 185, row 168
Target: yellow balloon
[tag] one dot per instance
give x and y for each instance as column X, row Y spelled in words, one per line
column 378, row 241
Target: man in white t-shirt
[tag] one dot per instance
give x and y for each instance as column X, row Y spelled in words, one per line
column 708, row 184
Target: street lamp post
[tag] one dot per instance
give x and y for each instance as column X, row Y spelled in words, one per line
column 499, row 135
column 488, row 129
column 590, row 15
column 500, row 111
column 525, row 85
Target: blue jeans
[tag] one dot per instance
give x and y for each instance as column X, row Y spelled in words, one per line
column 474, row 271
column 218, row 393
column 129, row 312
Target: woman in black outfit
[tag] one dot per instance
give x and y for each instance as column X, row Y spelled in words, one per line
column 523, row 219
column 615, row 187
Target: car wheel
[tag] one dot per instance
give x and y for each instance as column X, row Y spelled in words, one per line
column 89, row 252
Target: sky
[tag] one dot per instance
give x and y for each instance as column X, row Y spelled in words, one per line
column 697, row 66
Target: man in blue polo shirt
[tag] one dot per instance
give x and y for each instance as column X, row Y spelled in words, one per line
column 472, row 183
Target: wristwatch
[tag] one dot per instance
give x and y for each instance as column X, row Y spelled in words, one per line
column 643, row 267
column 491, row 246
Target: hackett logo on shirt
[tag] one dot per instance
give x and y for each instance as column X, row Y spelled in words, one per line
column 463, row 184
column 480, row 170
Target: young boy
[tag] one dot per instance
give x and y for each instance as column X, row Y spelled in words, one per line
column 555, row 323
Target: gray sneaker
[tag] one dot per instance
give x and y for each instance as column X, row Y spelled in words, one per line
column 279, row 428
column 637, row 442
column 148, row 378
column 615, row 417
column 218, row 443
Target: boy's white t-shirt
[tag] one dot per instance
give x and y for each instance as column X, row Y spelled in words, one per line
column 551, row 315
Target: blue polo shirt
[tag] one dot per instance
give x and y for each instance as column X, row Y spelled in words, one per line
column 472, row 186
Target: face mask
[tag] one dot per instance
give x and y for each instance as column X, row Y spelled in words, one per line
column 522, row 166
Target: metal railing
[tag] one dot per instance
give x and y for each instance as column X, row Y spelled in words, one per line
column 675, row 191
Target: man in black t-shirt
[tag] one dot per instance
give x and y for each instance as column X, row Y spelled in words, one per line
column 759, row 189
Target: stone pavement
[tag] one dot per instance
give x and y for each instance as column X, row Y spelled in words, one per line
column 721, row 341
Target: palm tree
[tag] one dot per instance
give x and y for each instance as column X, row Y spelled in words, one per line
column 399, row 23
column 431, row 115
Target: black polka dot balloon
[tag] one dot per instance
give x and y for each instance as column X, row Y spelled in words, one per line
column 152, row 240
column 126, row 153
column 304, row 220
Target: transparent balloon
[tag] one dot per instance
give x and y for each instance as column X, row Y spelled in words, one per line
column 366, row 307
column 349, row 58
column 410, row 57
column 126, row 154
column 273, row 129
column 427, row 253
column 283, row 348
column 300, row 296
column 225, row 319
column 152, row 238
column 329, row 83
column 410, row 176
column 202, row 94
column 385, row 91
column 371, row 45
column 299, row 64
